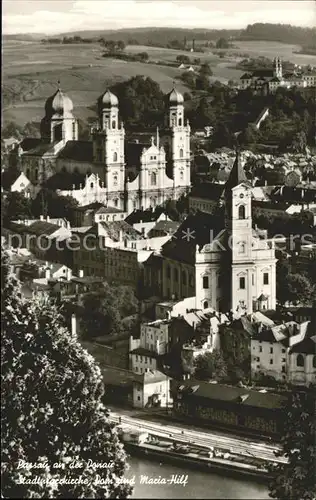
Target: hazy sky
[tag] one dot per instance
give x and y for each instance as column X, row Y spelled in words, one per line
column 57, row 16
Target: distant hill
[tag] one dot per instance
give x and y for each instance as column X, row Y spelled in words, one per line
column 159, row 36
column 284, row 33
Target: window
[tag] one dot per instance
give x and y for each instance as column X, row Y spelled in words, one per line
column 36, row 175
column 116, row 202
column 283, row 369
column 113, row 124
column 271, row 350
column 265, row 278
column 271, row 361
column 181, row 153
column 28, row 173
column 153, row 178
column 283, row 351
column 168, row 272
column 181, row 175
column 260, row 348
column 241, row 247
column 300, row 360
column 115, row 180
column 180, row 122
column 205, row 304
column 253, row 279
column 241, row 212
column 205, row 282
column 283, row 360
column 184, row 278
column 138, row 398
column 115, row 156
column 242, row 283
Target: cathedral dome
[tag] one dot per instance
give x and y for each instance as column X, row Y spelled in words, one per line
column 175, row 97
column 108, row 99
column 59, row 103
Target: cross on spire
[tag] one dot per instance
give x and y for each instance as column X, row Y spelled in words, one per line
column 58, row 84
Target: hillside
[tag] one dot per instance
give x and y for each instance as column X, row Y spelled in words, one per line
column 284, row 33
column 162, row 36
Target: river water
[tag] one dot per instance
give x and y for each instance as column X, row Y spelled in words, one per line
column 199, row 484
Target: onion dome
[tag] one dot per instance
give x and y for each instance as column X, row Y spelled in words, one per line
column 175, row 97
column 109, row 100
column 58, row 104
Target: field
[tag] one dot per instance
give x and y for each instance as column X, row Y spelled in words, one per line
column 31, row 71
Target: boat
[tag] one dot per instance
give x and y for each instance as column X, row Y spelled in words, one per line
column 204, row 461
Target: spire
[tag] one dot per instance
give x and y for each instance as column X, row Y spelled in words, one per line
column 152, row 140
column 237, row 174
column 157, row 139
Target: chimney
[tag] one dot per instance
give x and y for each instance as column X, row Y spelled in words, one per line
column 73, row 325
column 69, row 274
column 120, row 235
column 41, row 217
column 81, row 273
column 47, row 274
column 68, row 225
column 47, row 218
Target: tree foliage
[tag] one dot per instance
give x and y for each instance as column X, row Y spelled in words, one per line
column 105, row 310
column 295, row 480
column 52, row 411
column 210, row 365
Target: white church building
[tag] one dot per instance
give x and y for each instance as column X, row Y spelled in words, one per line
column 128, row 175
column 237, row 270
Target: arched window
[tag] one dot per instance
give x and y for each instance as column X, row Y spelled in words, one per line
column 314, row 361
column 180, row 122
column 113, row 124
column 205, row 304
column 116, row 202
column 115, row 180
column 115, row 156
column 300, row 360
column 153, row 178
column 241, row 212
column 181, row 153
column 241, row 247
column 91, row 185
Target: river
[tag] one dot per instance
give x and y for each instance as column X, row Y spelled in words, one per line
column 199, row 484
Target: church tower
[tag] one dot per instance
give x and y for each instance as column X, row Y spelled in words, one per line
column 277, row 67
column 108, row 148
column 180, row 143
column 59, row 123
column 238, row 222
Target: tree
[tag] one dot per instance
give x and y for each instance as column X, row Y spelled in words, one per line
column 12, row 130
column 17, row 206
column 120, row 45
column 104, row 311
column 52, row 411
column 54, row 205
column 222, row 43
column 182, row 59
column 298, row 289
column 205, row 69
column 210, row 365
column 29, row 271
column 295, row 480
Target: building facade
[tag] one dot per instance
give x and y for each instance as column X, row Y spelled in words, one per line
column 236, row 271
column 124, row 174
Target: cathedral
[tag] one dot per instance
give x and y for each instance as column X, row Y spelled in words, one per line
column 142, row 172
column 237, row 270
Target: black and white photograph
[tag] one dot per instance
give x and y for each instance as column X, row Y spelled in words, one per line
column 158, row 249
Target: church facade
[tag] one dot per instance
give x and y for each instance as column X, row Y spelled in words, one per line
column 109, row 169
column 237, row 270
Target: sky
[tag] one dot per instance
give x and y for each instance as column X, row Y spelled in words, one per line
column 58, row 16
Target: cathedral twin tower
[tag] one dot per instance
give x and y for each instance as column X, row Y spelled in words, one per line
column 141, row 172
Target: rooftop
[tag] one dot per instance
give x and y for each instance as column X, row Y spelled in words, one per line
column 235, row 395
